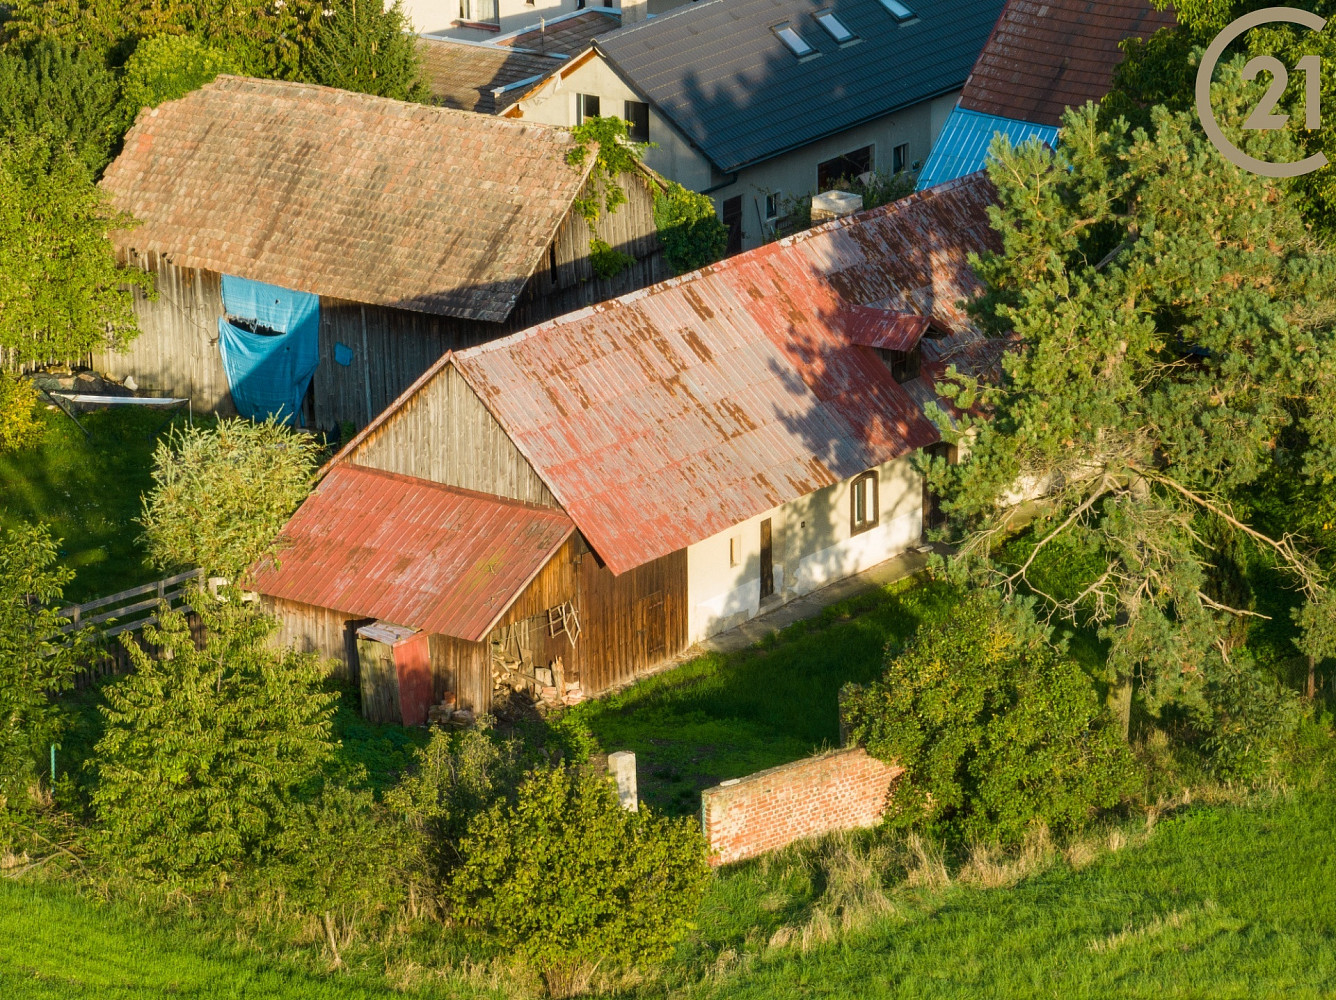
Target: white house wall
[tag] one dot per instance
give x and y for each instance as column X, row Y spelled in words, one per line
column 442, row 17
column 812, row 545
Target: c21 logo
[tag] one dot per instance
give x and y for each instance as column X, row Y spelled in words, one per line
column 1264, row 117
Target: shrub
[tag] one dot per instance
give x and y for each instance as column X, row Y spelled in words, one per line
column 165, row 68
column 1252, row 718
column 998, row 731
column 21, row 424
column 691, row 233
column 221, row 495
column 569, row 879
column 607, row 261
column 33, row 663
column 205, row 749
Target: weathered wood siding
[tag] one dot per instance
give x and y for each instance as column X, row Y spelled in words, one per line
column 464, row 668
column 176, row 352
column 323, row 631
column 446, row 435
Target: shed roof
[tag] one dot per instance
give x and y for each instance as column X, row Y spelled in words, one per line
column 381, row 545
column 1045, row 56
column 347, row 195
column 674, row 413
column 468, row 76
column 884, row 329
column 723, row 76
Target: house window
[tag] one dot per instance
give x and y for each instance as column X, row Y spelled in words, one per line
column 900, row 158
column 637, row 117
column 586, row 106
column 732, row 219
column 864, row 510
column 735, row 551
column 899, row 10
column 834, row 26
column 830, row 172
column 773, row 203
column 478, row 11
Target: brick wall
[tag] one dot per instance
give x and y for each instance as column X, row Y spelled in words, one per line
column 841, row 790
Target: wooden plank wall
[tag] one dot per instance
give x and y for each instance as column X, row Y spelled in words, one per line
column 176, row 351
column 325, row 632
column 464, row 668
column 446, row 435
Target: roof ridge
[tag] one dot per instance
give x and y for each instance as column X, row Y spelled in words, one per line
column 460, row 490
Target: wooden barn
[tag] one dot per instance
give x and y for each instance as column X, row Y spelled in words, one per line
column 564, row 509
column 318, row 249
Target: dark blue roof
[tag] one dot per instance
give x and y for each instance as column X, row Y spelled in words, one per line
column 719, row 72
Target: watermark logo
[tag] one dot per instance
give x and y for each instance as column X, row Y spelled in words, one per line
column 1265, row 117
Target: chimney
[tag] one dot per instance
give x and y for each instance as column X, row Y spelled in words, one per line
column 834, row 205
column 634, row 11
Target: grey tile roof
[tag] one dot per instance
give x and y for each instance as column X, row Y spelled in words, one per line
column 721, row 75
column 466, row 77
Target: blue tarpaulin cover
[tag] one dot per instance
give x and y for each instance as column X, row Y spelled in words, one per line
column 269, row 373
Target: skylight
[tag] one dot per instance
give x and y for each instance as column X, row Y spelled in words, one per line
column 898, row 10
column 792, row 40
column 833, row 26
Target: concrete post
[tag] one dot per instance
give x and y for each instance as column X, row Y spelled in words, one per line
column 622, row 767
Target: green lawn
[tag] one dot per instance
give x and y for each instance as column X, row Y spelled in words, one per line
column 1220, row 902
column 87, row 489
column 725, row 716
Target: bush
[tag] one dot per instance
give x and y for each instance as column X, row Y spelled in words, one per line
column 221, row 495
column 165, row 68
column 1252, row 718
column 21, row 424
column 998, row 731
column 32, row 663
column 62, row 94
column 206, row 749
column 691, row 233
column 569, row 879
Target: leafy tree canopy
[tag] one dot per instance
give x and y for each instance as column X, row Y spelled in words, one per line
column 689, row 229
column 366, row 47
column 166, row 67
column 62, row 96
column 1173, row 316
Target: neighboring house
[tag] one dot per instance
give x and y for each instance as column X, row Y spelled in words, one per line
column 319, row 249
column 761, row 102
column 578, row 503
column 1043, row 57
column 494, row 20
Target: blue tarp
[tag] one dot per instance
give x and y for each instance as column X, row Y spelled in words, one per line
column 269, row 372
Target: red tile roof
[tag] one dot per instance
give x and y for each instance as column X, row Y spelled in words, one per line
column 408, row 551
column 883, row 329
column 672, row 414
column 1047, row 55
column 346, row 195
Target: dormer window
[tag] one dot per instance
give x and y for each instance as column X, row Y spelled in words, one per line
column 792, row 40
column 834, row 26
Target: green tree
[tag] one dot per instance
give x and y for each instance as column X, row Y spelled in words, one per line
column 206, row 750
column 368, row 48
column 165, row 68
column 36, row 659
column 221, row 494
column 21, row 423
column 569, row 879
column 62, row 294
column 1173, row 328
column 62, row 96
column 997, row 729
column 691, row 234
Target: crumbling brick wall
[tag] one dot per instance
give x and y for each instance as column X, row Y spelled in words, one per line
column 841, row 790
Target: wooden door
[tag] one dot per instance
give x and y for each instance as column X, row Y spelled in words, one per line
column 652, row 629
column 412, row 663
column 767, row 560
column 379, row 681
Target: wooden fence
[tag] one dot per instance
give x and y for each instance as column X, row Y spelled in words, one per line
column 129, row 611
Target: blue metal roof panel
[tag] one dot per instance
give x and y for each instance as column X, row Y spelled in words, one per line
column 963, row 146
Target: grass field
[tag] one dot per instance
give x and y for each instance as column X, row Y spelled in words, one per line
column 87, row 490
column 1219, row 902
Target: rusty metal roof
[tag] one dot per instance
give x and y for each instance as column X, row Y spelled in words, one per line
column 883, row 329
column 672, row 414
column 347, row 195
column 381, row 545
column 1045, row 56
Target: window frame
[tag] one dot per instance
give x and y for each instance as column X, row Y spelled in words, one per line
column 901, row 11
column 788, row 36
column 581, row 114
column 773, row 210
column 870, row 149
column 871, row 502
column 735, row 552
column 825, row 18
column 900, row 156
column 632, row 133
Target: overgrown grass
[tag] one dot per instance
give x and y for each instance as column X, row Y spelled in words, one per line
column 87, row 490
column 725, row 716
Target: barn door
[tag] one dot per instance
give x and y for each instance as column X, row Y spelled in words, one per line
column 767, row 560
column 652, row 628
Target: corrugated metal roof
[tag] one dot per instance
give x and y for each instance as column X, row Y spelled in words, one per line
column 963, row 146
column 672, row 414
column 1045, row 56
column 723, row 77
column 380, row 545
column 883, row 329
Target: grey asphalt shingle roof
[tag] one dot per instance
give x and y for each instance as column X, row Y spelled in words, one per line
column 720, row 74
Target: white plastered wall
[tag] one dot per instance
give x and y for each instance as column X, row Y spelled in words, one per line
column 813, row 546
